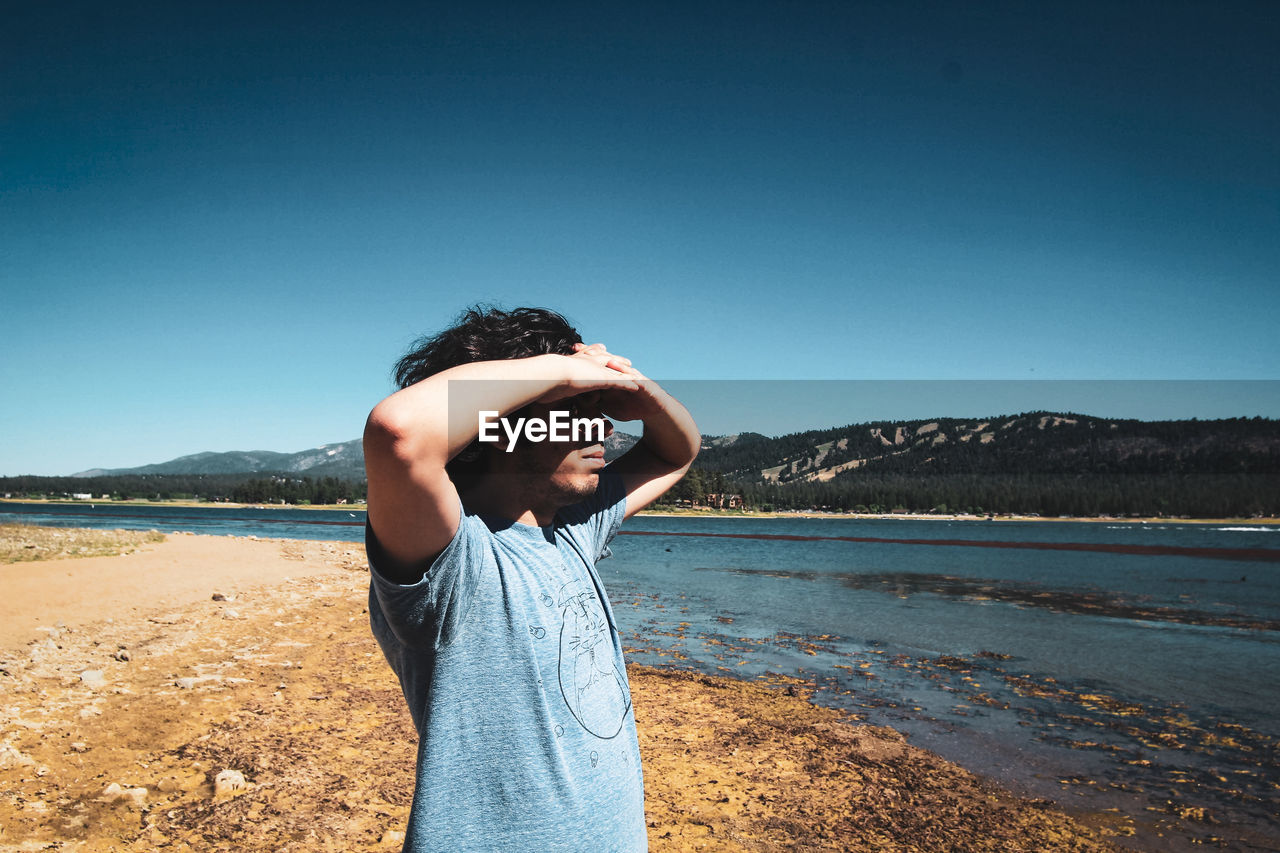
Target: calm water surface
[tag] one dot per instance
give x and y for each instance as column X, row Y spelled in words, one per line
column 1104, row 665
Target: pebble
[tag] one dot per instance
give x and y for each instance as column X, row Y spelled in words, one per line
column 93, row 677
column 392, row 838
column 228, row 783
column 10, row 757
column 116, row 793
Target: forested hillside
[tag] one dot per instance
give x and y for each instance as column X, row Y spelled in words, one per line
column 1038, row 462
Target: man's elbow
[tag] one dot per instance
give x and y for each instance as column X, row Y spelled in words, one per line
column 381, row 428
column 390, row 435
column 692, row 446
column 678, row 456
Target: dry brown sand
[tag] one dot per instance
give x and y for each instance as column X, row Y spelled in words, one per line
column 184, row 569
column 113, row 734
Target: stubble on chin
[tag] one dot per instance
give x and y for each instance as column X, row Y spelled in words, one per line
column 554, row 492
column 578, row 488
column 536, row 477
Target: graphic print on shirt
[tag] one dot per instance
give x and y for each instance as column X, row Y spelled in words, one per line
column 590, row 683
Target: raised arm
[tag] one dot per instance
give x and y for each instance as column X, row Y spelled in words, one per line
column 667, row 447
column 410, row 437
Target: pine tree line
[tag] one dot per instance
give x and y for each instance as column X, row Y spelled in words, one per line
column 1086, row 495
column 239, row 488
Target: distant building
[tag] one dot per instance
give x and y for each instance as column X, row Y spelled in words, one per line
column 82, row 496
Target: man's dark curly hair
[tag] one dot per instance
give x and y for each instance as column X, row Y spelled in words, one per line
column 485, row 333
column 488, row 334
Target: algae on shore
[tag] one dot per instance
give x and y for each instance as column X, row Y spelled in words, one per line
column 25, row 542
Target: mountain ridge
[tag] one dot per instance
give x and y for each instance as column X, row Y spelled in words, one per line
column 1060, row 442
column 1040, row 441
column 344, row 460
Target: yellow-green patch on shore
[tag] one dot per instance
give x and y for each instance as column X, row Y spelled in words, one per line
column 24, row 542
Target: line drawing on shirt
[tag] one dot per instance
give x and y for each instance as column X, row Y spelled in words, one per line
column 590, row 683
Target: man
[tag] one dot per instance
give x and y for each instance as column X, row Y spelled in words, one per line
column 484, row 595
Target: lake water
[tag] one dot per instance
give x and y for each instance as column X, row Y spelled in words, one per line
column 1103, row 665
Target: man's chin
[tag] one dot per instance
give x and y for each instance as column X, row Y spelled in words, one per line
column 579, row 487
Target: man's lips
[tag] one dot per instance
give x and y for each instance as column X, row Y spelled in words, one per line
column 596, row 452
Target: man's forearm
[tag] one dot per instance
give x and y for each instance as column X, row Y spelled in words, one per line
column 434, row 420
column 439, row 416
column 670, row 432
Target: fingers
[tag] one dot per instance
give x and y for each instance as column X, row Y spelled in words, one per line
column 600, row 350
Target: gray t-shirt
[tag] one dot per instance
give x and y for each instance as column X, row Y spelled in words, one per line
column 509, row 657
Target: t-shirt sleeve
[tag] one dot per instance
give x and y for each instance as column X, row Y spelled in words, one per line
column 596, row 520
column 430, row 611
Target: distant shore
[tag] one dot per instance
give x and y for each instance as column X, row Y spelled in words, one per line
column 664, row 512
column 926, row 516
column 177, row 502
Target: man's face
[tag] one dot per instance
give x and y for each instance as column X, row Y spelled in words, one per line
column 559, row 473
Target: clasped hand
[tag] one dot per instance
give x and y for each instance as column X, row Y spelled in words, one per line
column 608, row 383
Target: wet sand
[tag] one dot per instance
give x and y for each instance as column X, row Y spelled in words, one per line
column 113, row 734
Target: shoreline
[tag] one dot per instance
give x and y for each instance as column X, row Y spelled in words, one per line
column 924, row 516
column 255, row 656
column 708, row 513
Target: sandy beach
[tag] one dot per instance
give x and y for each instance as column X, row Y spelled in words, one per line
column 215, row 693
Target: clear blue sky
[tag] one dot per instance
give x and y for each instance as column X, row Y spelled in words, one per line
column 221, row 223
